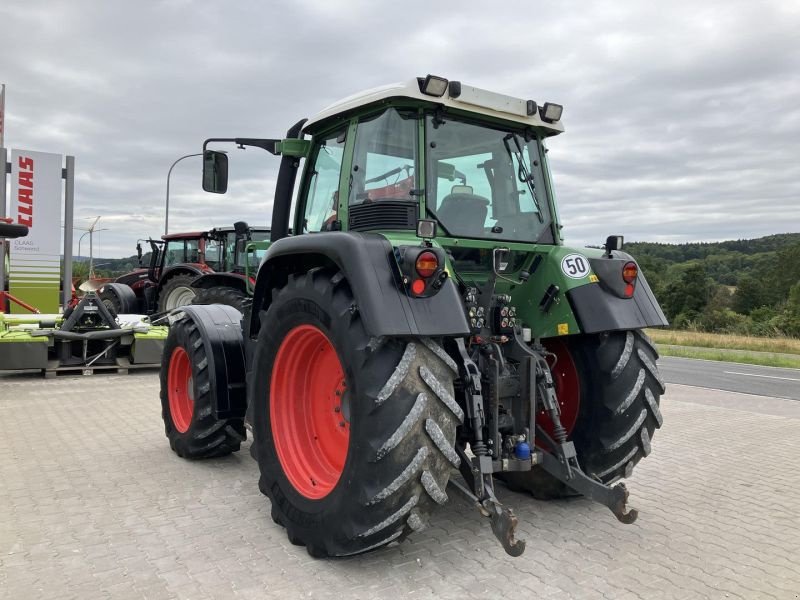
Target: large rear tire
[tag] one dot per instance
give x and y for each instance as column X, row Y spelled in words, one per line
column 176, row 292
column 186, row 398
column 223, row 295
column 619, row 389
column 354, row 435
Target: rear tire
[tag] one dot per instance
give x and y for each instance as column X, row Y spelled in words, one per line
column 186, row 398
column 223, row 295
column 397, row 403
column 176, row 292
column 620, row 389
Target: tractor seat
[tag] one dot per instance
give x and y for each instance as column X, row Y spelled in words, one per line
column 464, row 214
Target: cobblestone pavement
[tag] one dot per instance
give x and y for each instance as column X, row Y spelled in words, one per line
column 93, row 504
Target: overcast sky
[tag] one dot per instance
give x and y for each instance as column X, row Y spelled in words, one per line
column 682, row 118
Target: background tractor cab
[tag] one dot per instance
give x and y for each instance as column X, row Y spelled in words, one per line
column 184, row 266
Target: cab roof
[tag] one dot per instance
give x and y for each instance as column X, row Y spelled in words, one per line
column 457, row 95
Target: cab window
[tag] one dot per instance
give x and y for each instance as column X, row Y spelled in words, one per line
column 384, row 158
column 322, row 195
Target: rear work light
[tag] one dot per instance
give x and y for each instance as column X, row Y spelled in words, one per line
column 426, row 264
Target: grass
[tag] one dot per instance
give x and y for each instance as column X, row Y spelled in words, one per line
column 782, row 345
column 767, row 359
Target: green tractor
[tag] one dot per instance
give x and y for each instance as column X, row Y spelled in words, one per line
column 421, row 316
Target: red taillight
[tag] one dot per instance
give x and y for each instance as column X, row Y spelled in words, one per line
column 630, row 272
column 426, row 264
column 418, row 286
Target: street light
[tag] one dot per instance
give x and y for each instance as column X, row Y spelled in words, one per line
column 166, row 212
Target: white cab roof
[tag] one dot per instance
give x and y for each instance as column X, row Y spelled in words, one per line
column 471, row 99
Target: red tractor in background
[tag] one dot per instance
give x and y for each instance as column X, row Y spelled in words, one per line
column 205, row 267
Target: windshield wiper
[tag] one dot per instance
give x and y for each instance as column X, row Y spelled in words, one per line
column 522, row 171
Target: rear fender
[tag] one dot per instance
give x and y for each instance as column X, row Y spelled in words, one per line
column 602, row 306
column 367, row 262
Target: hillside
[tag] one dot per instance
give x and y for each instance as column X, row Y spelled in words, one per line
column 749, row 287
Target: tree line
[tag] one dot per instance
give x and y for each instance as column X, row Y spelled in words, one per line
column 745, row 287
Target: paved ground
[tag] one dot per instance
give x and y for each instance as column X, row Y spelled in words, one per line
column 733, row 377
column 93, row 504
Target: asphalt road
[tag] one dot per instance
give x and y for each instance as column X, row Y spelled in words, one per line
column 732, row 377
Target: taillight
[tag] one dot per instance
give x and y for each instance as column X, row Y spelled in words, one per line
column 630, row 272
column 418, row 286
column 426, row 264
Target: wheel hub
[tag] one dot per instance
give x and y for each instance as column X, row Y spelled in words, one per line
column 309, row 411
column 180, row 390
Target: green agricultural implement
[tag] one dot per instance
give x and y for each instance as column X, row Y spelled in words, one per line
column 86, row 337
column 421, row 317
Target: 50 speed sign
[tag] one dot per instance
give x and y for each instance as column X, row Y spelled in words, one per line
column 575, row 266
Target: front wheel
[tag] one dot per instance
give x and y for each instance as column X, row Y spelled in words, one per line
column 354, row 435
column 187, row 390
column 609, row 389
column 119, row 298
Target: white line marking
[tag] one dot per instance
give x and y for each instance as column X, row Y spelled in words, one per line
column 765, row 376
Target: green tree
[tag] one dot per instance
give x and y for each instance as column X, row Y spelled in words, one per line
column 688, row 292
column 749, row 295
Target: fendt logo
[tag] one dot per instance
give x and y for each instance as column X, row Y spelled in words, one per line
column 25, row 194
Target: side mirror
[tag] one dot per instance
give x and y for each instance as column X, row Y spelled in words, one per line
column 215, row 172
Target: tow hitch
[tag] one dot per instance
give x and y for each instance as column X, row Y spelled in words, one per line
column 562, row 464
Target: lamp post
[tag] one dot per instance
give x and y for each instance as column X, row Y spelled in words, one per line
column 166, row 213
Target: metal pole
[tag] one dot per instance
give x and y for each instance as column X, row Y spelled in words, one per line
column 91, row 254
column 166, row 214
column 3, row 153
column 69, row 205
column 2, row 115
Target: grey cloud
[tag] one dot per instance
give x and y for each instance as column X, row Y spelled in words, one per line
column 682, row 119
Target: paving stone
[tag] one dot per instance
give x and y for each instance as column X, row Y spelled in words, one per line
column 93, row 504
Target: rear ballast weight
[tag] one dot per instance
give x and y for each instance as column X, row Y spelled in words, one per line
column 419, row 323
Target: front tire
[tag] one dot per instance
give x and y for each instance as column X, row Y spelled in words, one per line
column 619, row 392
column 186, row 398
column 119, row 298
column 375, row 480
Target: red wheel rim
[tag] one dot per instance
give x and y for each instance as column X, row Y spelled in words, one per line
column 180, row 389
column 568, row 388
column 309, row 427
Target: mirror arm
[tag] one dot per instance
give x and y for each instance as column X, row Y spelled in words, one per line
column 270, row 145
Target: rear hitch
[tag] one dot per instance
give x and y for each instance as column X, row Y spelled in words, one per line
column 503, row 520
column 614, row 497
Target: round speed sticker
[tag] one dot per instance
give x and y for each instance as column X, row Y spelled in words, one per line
column 575, row 266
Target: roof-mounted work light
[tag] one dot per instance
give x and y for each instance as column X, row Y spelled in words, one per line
column 550, row 113
column 434, row 86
